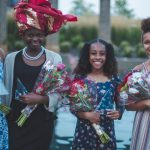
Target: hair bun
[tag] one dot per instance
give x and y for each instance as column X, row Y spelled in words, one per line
column 145, row 25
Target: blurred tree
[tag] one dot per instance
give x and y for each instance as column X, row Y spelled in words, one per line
column 52, row 40
column 121, row 9
column 81, row 8
column 3, row 21
column 105, row 25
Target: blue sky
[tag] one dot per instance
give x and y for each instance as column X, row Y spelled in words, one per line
column 141, row 7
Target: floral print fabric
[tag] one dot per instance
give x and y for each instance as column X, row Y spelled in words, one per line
column 3, row 123
column 85, row 137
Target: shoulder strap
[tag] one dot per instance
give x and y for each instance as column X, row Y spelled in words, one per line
column 145, row 68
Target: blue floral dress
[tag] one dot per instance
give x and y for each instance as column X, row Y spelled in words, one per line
column 85, row 137
column 3, row 123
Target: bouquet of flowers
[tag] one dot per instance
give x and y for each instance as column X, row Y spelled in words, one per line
column 51, row 79
column 5, row 109
column 134, row 88
column 81, row 98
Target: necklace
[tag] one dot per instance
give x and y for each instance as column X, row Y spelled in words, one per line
column 28, row 57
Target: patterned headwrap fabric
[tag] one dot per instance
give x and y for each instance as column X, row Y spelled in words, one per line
column 41, row 15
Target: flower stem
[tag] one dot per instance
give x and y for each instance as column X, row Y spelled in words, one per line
column 5, row 109
column 104, row 138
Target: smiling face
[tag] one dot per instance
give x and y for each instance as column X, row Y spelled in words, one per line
column 97, row 56
column 34, row 38
column 146, row 43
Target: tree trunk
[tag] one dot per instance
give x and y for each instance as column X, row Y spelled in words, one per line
column 53, row 39
column 3, row 22
column 105, row 26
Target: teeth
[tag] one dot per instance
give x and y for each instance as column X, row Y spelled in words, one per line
column 97, row 63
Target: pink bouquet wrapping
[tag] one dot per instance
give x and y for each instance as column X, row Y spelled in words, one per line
column 51, row 79
column 135, row 87
column 82, row 99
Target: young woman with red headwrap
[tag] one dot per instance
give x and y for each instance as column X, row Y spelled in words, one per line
column 35, row 19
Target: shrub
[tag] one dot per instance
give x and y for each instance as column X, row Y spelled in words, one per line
column 124, row 44
column 141, row 53
column 127, row 51
column 65, row 47
column 12, row 35
column 130, row 34
column 76, row 40
column 19, row 45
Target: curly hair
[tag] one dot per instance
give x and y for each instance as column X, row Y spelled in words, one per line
column 145, row 26
column 84, row 67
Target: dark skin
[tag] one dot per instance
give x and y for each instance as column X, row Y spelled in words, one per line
column 97, row 60
column 144, row 104
column 34, row 39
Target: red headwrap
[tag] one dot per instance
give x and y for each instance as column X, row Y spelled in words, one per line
column 41, row 15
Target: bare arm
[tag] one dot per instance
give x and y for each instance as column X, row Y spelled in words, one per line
column 141, row 105
column 32, row 99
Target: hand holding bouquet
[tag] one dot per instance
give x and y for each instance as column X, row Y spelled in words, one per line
column 51, row 79
column 134, row 88
column 82, row 100
column 79, row 97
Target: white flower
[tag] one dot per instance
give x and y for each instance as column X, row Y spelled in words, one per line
column 124, row 95
column 48, row 65
column 133, row 91
column 136, row 77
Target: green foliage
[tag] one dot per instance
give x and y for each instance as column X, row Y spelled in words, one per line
column 132, row 35
column 121, row 9
column 65, row 47
column 118, row 34
column 140, row 51
column 89, row 33
column 124, row 44
column 128, row 50
column 125, row 49
column 19, row 45
column 81, row 8
column 76, row 40
column 76, row 36
column 80, row 45
column 12, row 35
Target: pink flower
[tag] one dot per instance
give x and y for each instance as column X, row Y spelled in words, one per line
column 60, row 67
column 39, row 89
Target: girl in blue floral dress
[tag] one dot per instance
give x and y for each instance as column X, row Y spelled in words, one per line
column 3, row 123
column 98, row 67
